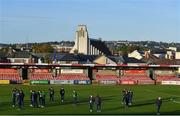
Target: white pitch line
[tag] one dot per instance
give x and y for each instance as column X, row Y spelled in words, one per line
column 175, row 101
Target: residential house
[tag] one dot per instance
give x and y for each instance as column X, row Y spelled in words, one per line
column 22, row 57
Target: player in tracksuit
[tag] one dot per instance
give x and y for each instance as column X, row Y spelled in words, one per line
column 20, row 99
column 51, row 94
column 124, row 96
column 23, row 95
column 130, row 97
column 74, row 96
column 158, row 104
column 34, row 99
column 43, row 99
column 62, row 93
column 14, row 97
column 91, row 103
column 31, row 98
column 40, row 98
column 98, row 103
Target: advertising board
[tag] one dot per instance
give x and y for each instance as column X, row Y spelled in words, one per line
column 129, row 82
column 108, row 82
column 61, row 81
column 16, row 81
column 39, row 82
column 170, row 82
column 71, row 71
column 85, row 82
column 145, row 82
column 4, row 82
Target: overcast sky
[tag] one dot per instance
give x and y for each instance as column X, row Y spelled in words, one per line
column 24, row 21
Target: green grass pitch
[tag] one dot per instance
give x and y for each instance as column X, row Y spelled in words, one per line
column 143, row 99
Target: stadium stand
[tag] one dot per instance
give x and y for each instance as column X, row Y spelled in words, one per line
column 41, row 74
column 106, row 77
column 166, row 75
column 138, row 79
column 166, row 78
column 9, row 74
column 134, row 72
column 138, row 76
column 72, row 77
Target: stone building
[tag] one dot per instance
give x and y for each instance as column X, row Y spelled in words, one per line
column 88, row 46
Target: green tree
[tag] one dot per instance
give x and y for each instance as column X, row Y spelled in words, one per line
column 42, row 48
column 125, row 49
column 47, row 58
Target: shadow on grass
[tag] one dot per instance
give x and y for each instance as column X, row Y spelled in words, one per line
column 7, row 105
column 80, row 102
column 176, row 112
column 149, row 102
column 142, row 103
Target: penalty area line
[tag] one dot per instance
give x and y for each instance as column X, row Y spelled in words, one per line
column 175, row 101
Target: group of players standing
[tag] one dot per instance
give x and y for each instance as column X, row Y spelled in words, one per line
column 127, row 97
column 38, row 98
column 97, row 101
column 17, row 98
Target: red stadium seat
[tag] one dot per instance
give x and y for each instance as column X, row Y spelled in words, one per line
column 41, row 76
column 106, row 77
column 140, row 79
column 160, row 78
column 9, row 74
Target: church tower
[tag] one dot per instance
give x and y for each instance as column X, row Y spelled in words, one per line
column 81, row 41
column 85, row 45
